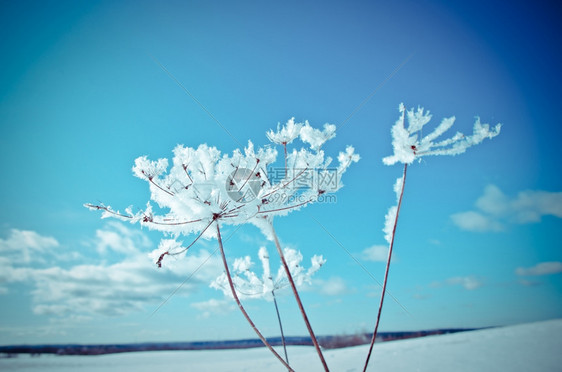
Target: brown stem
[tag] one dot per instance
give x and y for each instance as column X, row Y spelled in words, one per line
column 297, row 297
column 280, row 326
column 250, row 175
column 147, row 219
column 187, row 174
column 173, row 223
column 265, row 342
column 387, row 269
column 288, row 207
column 286, row 183
column 193, row 242
column 155, row 184
column 107, row 209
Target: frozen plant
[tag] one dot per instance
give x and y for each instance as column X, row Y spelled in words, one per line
column 204, row 188
column 285, row 135
column 409, row 145
column 249, row 285
column 296, row 171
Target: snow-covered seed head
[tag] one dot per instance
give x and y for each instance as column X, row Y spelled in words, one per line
column 285, row 135
column 243, row 185
column 408, row 145
column 203, row 186
column 251, row 285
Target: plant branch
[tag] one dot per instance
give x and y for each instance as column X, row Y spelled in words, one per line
column 280, row 325
column 150, row 179
column 241, row 307
column 146, row 219
column 194, row 241
column 288, row 207
column 107, row 209
column 286, row 183
column 172, row 223
column 387, row 269
column 297, row 297
column 250, row 175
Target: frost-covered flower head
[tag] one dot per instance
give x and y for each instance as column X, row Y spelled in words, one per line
column 203, row 186
column 249, row 285
column 285, row 135
column 307, row 134
column 408, row 146
column 315, row 137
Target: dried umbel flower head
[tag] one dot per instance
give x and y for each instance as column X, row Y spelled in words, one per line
column 285, row 135
column 203, row 186
column 251, row 285
column 408, row 146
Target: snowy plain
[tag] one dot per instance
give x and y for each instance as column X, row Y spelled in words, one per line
column 525, row 347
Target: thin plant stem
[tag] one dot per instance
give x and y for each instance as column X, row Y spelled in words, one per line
column 241, row 307
column 280, row 326
column 387, row 269
column 297, row 297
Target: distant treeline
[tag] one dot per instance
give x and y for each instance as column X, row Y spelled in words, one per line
column 328, row 342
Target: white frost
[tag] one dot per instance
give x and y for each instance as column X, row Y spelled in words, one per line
column 250, row 285
column 408, row 146
column 285, row 135
column 203, row 186
column 315, row 137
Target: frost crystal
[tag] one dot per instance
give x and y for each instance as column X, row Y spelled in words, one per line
column 285, row 135
column 407, row 147
column 390, row 217
column 203, row 186
column 249, row 285
column 315, row 137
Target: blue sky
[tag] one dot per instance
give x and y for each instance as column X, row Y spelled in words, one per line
column 81, row 96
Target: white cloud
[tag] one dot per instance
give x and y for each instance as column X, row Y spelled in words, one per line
column 528, row 206
column 23, row 246
column 496, row 209
column 332, row 287
column 467, row 282
column 113, row 288
column 50, row 309
column 213, row 306
column 118, row 238
column 543, row 268
column 474, row 221
column 376, row 253
column 118, row 288
column 10, row 274
column 529, row 283
column 493, row 201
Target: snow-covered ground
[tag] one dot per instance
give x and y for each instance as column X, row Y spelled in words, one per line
column 526, row 347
